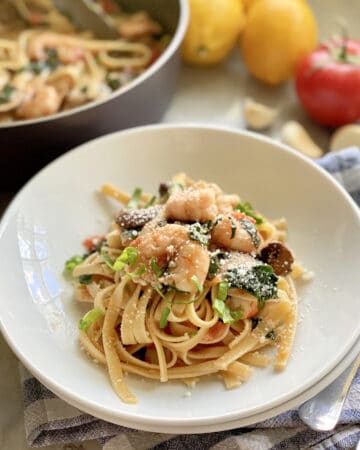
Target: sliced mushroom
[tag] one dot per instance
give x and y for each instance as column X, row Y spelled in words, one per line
column 136, row 218
column 257, row 115
column 295, row 135
column 278, row 256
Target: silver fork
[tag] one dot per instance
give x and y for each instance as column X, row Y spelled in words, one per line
column 322, row 412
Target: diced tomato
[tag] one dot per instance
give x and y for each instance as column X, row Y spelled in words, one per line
column 35, row 19
column 91, row 242
column 215, row 331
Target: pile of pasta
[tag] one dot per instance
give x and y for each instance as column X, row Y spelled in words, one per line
column 47, row 65
column 177, row 295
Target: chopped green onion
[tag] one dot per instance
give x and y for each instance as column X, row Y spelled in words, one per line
column 108, row 260
column 225, row 313
column 223, row 290
column 89, row 318
column 128, row 257
column 199, row 286
column 85, row 279
column 164, row 316
column 138, row 272
column 172, row 287
column 72, row 262
column 150, row 202
column 135, row 198
column 157, row 289
column 158, row 271
column 247, row 209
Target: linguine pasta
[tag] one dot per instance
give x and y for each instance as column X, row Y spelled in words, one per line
column 47, row 65
column 190, row 283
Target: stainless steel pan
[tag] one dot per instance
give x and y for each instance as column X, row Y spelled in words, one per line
column 26, row 146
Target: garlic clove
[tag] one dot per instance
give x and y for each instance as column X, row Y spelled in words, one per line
column 346, row 136
column 295, row 135
column 258, row 116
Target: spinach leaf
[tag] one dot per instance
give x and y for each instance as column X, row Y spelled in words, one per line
column 259, row 281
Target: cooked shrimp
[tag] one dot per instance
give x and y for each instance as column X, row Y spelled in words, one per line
column 67, row 52
column 227, row 202
column 197, row 203
column 230, row 234
column 172, row 248
column 138, row 25
column 42, row 101
column 241, row 299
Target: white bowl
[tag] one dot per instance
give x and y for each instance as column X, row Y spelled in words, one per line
column 48, row 219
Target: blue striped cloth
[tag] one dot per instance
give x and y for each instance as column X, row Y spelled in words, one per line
column 49, row 420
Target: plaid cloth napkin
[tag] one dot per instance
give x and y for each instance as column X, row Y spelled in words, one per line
column 49, row 420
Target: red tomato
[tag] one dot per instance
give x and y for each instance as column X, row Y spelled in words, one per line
column 91, row 242
column 328, row 82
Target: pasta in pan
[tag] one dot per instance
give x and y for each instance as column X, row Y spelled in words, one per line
column 47, row 65
column 188, row 284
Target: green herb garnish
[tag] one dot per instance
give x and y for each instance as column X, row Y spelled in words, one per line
column 259, row 281
column 158, row 271
column 128, row 257
column 233, row 227
column 271, row 335
column 135, row 198
column 214, row 265
column 5, row 93
column 251, row 229
column 108, row 260
column 74, row 261
column 113, row 83
column 225, row 313
column 51, row 62
column 197, row 283
column 138, row 272
column 158, row 290
column 172, row 287
column 85, row 279
column 89, row 318
column 164, row 316
column 200, row 232
column 130, row 233
column 150, row 202
column 247, row 209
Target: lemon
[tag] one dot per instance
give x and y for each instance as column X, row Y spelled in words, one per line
column 277, row 34
column 213, row 30
column 248, row 4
